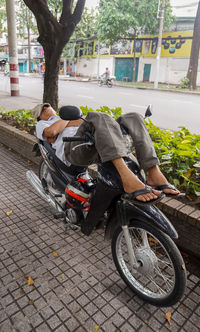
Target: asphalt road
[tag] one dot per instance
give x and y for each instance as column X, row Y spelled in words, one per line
column 170, row 109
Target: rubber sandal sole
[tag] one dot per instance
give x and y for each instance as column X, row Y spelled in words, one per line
column 137, row 202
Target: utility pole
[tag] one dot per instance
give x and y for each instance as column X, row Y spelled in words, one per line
column 98, row 61
column 12, row 44
column 162, row 12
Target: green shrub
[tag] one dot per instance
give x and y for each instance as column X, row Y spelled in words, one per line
column 185, row 83
column 114, row 112
column 21, row 118
column 179, row 155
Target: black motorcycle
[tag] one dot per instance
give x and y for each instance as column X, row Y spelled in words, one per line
column 143, row 251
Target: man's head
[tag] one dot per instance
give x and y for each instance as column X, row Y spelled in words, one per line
column 43, row 112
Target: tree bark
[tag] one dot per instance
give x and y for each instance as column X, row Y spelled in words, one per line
column 53, row 36
column 194, row 55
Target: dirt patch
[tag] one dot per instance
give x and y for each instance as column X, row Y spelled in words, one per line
column 18, row 126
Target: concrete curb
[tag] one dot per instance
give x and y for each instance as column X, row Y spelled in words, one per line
column 185, row 218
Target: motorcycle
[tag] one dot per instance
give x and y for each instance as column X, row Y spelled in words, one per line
column 108, row 81
column 143, row 249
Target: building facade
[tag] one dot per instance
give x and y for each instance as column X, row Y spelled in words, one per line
column 119, row 58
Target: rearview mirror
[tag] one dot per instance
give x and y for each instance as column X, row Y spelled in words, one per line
column 70, row 113
column 148, row 112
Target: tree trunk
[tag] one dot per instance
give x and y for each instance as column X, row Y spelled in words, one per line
column 194, row 56
column 52, row 65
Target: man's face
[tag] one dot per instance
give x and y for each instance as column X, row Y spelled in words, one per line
column 47, row 112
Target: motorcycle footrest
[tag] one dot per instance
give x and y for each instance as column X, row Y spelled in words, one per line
column 59, row 215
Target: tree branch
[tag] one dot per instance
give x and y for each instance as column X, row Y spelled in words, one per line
column 76, row 17
column 45, row 19
column 66, row 11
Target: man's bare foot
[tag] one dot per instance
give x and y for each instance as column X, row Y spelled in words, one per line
column 137, row 186
column 143, row 196
column 157, row 180
column 132, row 184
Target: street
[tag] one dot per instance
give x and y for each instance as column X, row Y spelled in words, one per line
column 170, row 109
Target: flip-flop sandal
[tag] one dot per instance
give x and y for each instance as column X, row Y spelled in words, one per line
column 131, row 197
column 168, row 186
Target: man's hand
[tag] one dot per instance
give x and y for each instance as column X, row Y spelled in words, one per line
column 74, row 123
column 51, row 139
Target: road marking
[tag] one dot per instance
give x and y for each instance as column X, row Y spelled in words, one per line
column 84, row 96
column 137, row 106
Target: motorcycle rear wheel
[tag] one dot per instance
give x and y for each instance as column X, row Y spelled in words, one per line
column 43, row 170
column 109, row 84
column 160, row 278
column 44, row 173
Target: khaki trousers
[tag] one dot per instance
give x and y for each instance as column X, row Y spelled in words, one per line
column 109, row 141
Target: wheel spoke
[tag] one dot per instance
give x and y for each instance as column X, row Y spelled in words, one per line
column 157, row 286
column 169, row 283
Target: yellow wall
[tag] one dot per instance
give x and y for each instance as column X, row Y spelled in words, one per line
column 178, row 48
column 173, row 48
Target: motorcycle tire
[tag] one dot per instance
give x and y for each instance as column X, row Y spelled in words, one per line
column 100, row 82
column 109, row 84
column 43, row 170
column 152, row 269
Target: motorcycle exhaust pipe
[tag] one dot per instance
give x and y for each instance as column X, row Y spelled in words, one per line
column 36, row 183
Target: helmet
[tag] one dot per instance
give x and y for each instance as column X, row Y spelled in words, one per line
column 78, row 194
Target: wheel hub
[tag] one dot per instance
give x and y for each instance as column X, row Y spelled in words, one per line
column 147, row 261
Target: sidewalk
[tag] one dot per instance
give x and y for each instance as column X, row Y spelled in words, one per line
column 15, row 103
column 76, row 287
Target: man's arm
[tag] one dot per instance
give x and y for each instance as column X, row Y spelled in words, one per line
column 75, row 123
column 55, row 128
column 58, row 126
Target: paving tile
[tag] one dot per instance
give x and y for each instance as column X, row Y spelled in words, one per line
column 54, row 322
column 36, row 320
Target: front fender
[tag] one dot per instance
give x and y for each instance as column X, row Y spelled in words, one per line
column 152, row 215
column 148, row 214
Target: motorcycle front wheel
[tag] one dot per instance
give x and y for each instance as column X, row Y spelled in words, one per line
column 100, row 82
column 160, row 276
